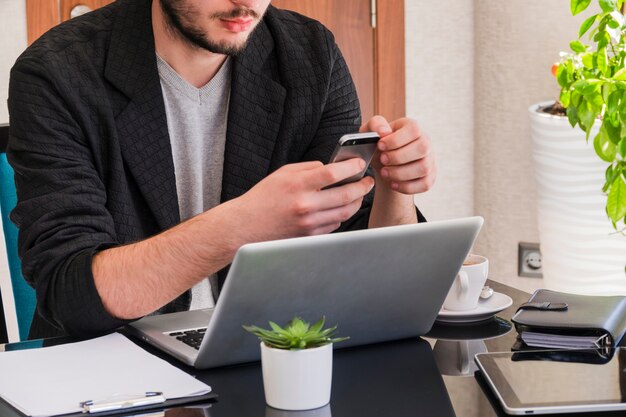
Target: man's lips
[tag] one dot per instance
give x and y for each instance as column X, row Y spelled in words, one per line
column 237, row 25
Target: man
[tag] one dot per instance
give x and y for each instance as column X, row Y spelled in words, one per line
column 151, row 139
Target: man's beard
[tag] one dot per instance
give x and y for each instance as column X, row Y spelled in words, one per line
column 178, row 18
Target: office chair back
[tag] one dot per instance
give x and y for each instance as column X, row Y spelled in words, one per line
column 23, row 294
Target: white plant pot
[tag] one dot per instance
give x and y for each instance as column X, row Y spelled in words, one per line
column 297, row 379
column 581, row 253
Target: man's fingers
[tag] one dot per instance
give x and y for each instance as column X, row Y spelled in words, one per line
column 377, row 124
column 301, row 166
column 320, row 220
column 345, row 194
column 414, row 187
column 410, row 171
column 323, row 176
column 416, row 149
column 332, row 198
column 405, row 131
column 323, row 230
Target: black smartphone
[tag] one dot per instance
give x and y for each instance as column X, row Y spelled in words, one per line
column 355, row 145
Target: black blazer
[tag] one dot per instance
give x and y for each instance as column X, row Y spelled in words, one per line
column 91, row 152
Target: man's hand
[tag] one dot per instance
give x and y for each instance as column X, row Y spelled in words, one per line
column 404, row 159
column 292, row 201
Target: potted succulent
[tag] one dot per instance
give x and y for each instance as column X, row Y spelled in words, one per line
column 579, row 150
column 297, row 363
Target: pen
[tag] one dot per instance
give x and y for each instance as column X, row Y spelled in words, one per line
column 148, row 398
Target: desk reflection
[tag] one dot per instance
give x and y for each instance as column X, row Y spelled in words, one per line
column 456, row 357
column 457, row 344
column 396, row 379
column 189, row 411
column 318, row 412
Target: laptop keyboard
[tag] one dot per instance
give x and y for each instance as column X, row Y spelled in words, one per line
column 192, row 338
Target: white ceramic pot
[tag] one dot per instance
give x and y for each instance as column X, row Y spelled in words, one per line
column 579, row 248
column 297, row 379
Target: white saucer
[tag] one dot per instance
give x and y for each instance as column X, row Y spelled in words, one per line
column 485, row 309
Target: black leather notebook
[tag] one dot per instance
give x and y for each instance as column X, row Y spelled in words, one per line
column 588, row 322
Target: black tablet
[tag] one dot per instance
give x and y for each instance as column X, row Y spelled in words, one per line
column 547, row 382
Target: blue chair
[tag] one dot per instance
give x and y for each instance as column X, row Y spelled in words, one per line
column 23, row 294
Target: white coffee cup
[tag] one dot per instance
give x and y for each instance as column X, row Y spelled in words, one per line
column 465, row 291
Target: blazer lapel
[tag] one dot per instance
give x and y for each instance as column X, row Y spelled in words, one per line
column 254, row 117
column 142, row 124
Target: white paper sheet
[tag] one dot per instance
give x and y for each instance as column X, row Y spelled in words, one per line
column 54, row 380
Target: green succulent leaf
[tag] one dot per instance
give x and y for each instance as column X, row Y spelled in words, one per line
column 577, row 6
column 317, row 327
column 297, row 334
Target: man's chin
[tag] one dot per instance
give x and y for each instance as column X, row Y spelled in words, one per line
column 225, row 48
column 228, row 44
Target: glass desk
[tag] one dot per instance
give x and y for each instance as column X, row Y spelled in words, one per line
column 429, row 376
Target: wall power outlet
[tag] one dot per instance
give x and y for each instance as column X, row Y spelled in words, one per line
column 529, row 260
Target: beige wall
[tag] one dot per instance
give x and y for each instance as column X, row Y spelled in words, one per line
column 13, row 42
column 516, row 44
column 473, row 69
column 440, row 95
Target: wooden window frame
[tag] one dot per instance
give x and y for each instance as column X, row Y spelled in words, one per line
column 389, row 61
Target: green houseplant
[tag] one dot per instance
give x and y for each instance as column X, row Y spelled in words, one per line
column 578, row 159
column 297, row 363
column 297, row 334
column 593, row 90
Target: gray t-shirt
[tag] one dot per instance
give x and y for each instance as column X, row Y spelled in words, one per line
column 196, row 122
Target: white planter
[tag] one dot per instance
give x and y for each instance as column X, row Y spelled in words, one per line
column 297, row 379
column 580, row 251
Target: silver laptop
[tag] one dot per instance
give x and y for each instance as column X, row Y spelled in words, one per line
column 376, row 285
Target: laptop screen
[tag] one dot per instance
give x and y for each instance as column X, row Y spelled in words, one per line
column 553, row 381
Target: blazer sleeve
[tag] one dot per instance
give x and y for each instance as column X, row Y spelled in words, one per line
column 342, row 115
column 61, row 210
